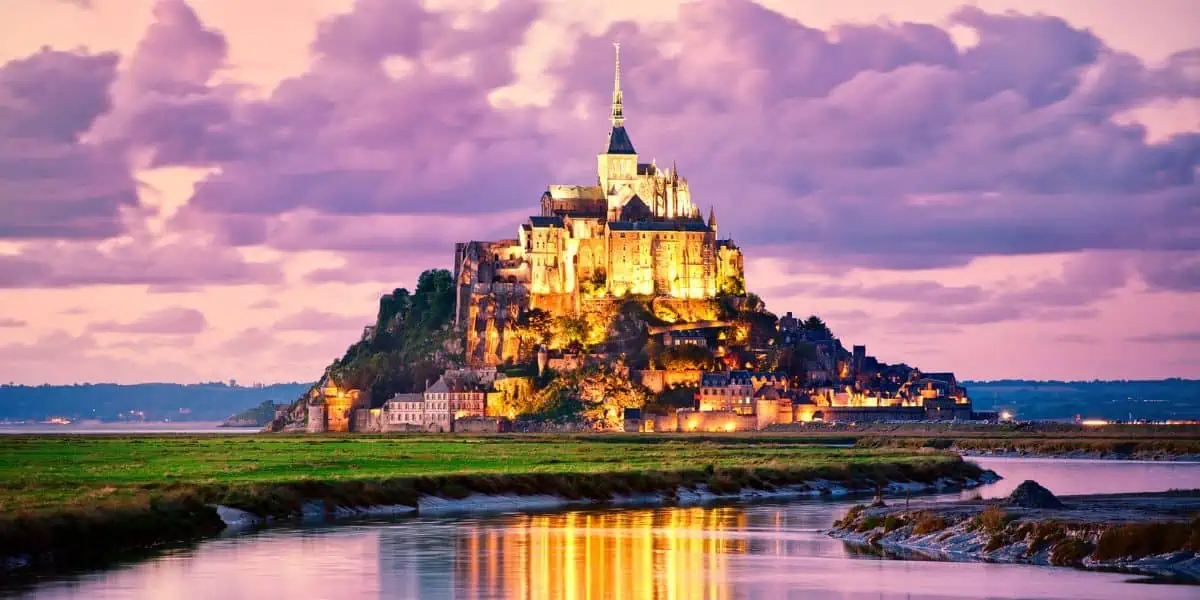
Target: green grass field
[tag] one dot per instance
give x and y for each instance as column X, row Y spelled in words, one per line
column 46, row 472
column 129, row 493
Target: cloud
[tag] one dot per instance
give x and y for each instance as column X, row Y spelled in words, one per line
column 265, row 304
column 135, row 262
column 1007, row 148
column 905, row 291
column 165, row 112
column 1176, row 337
column 348, row 137
column 53, row 184
column 7, row 322
column 54, row 346
column 169, row 321
column 311, row 319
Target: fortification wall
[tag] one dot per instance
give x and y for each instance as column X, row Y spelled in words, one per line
column 658, row 380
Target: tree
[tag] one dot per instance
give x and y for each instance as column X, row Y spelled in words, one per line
column 687, row 357
column 815, row 324
column 569, row 329
column 535, row 327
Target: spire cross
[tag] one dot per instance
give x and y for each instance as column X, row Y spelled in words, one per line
column 618, row 113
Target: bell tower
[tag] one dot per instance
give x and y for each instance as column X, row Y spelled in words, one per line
column 617, row 166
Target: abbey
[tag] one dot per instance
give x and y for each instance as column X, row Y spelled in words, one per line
column 635, row 231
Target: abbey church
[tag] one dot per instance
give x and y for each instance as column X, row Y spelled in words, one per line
column 635, row 231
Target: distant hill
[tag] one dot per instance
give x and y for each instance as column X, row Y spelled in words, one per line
column 1112, row 400
column 143, row 401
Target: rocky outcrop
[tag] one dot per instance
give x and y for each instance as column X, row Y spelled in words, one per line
column 1032, row 495
column 1151, row 534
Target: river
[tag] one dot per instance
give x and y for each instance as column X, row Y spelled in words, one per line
column 761, row 550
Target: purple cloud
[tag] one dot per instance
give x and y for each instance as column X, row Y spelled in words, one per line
column 881, row 145
column 1186, row 337
column 52, row 185
column 7, row 322
column 165, row 112
column 176, row 320
column 916, row 156
column 183, row 263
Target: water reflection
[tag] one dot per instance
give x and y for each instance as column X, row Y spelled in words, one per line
column 737, row 551
column 664, row 553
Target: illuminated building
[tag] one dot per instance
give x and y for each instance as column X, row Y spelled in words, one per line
column 635, row 232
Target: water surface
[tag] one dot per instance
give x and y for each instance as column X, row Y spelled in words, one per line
column 770, row 550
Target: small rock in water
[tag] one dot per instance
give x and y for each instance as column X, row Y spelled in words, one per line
column 1030, row 494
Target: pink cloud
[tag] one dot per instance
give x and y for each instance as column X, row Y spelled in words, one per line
column 170, row 321
column 311, row 319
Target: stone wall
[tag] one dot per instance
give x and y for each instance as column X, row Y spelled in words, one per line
column 658, row 380
column 482, row 425
column 367, row 420
column 691, row 420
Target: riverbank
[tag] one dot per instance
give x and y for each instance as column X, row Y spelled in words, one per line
column 1180, row 446
column 124, row 493
column 1154, row 534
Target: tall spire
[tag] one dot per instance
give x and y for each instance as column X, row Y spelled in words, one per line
column 618, row 138
column 618, row 113
column 712, row 218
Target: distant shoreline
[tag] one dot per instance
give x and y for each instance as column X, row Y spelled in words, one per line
column 100, row 428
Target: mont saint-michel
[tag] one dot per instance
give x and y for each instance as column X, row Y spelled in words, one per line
column 635, row 232
column 616, row 306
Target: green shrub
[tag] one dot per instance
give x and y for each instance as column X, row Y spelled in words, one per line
column 892, row 523
column 869, row 523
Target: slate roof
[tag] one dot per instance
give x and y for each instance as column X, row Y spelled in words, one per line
column 619, row 142
column 946, row 377
column 689, row 225
column 546, row 221
column 635, row 210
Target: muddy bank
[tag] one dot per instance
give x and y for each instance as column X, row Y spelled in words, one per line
column 1165, row 448
column 50, row 541
column 1149, row 454
column 1154, row 534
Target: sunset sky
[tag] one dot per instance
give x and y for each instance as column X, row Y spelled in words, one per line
column 221, row 189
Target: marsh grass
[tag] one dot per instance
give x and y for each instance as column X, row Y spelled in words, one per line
column 1137, row 540
column 927, row 523
column 132, row 492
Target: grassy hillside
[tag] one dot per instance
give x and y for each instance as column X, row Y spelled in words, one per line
column 413, row 341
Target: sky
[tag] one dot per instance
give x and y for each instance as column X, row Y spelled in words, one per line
column 215, row 189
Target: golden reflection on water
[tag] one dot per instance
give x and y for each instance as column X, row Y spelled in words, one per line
column 677, row 553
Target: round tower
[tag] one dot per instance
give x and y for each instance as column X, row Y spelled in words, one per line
column 316, row 417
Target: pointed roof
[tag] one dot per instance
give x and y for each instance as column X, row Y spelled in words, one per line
column 635, row 210
column 619, row 142
column 712, row 218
